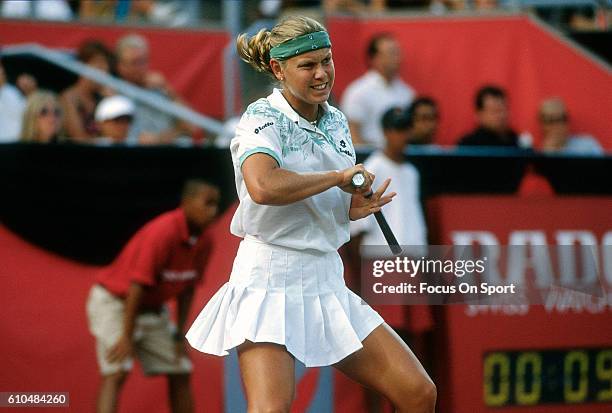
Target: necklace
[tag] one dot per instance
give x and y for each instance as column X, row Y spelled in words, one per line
column 314, row 122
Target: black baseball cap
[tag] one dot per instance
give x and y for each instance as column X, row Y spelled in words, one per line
column 396, row 118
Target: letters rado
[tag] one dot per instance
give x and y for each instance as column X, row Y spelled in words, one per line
column 575, row 260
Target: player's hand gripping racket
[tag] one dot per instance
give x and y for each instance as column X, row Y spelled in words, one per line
column 358, row 180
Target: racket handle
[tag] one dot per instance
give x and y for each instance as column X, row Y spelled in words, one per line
column 386, row 230
column 389, row 236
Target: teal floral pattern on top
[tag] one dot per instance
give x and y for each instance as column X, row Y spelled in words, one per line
column 296, row 139
column 262, row 108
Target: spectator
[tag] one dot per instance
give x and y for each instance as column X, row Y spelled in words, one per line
column 26, row 83
column 169, row 13
column 150, row 126
column 485, row 5
column 114, row 116
column 368, row 97
column 405, row 216
column 493, row 127
column 12, row 106
column 42, row 118
column 269, row 9
column 423, row 115
column 391, row 5
column 104, row 10
column 126, row 307
column 554, row 122
column 39, row 9
column 450, row 5
column 80, row 100
column 583, row 18
column 343, row 6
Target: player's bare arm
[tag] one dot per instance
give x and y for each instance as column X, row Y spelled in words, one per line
column 269, row 184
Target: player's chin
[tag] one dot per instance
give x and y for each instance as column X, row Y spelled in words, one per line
column 316, row 96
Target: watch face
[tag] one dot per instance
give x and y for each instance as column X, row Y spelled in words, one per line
column 358, row 179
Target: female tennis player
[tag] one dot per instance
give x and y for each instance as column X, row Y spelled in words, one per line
column 286, row 297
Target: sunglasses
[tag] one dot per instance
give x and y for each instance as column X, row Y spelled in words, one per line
column 48, row 111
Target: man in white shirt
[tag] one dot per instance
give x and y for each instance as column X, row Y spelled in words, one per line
column 405, row 216
column 150, row 126
column 12, row 105
column 367, row 98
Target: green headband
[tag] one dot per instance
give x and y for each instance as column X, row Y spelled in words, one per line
column 301, row 44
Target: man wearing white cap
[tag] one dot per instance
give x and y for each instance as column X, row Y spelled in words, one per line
column 114, row 115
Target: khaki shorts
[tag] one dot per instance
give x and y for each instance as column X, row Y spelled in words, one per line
column 153, row 342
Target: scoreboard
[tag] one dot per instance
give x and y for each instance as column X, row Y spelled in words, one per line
column 550, row 358
column 537, row 377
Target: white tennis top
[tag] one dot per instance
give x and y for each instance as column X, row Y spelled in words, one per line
column 271, row 126
column 368, row 97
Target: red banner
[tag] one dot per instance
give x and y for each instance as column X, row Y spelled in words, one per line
column 567, row 330
column 191, row 60
column 446, row 58
column 46, row 346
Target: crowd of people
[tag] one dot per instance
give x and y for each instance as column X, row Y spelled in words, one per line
column 365, row 115
column 168, row 13
column 77, row 119
column 88, row 112
column 176, row 13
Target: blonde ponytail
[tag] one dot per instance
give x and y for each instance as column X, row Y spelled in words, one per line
column 256, row 50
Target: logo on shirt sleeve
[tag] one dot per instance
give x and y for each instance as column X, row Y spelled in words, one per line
column 262, row 127
column 344, row 149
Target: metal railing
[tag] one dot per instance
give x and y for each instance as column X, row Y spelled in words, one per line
column 138, row 94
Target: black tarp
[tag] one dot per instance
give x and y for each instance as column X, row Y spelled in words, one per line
column 84, row 202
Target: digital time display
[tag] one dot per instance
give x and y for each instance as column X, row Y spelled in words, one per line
column 528, row 378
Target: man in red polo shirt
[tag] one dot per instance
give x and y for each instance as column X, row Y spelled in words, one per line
column 126, row 310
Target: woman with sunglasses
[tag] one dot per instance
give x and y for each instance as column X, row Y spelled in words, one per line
column 286, row 297
column 42, row 118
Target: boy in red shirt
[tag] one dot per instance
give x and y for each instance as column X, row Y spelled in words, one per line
column 126, row 310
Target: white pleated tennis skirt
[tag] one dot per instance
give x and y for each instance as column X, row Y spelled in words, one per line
column 289, row 297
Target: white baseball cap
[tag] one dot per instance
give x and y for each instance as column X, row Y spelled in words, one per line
column 113, row 107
